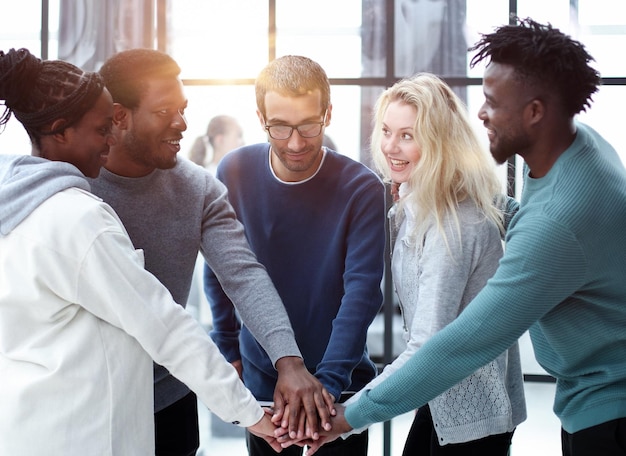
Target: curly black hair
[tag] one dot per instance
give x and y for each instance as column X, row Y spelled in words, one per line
column 543, row 56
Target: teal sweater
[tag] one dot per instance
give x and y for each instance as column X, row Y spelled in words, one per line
column 563, row 275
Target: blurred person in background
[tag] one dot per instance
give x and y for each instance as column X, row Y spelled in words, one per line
column 223, row 134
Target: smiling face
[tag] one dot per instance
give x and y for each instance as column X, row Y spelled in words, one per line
column 86, row 143
column 149, row 135
column 398, row 143
column 503, row 112
column 295, row 158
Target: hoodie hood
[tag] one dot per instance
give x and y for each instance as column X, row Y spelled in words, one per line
column 27, row 181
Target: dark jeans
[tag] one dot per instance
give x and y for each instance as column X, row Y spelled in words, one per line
column 422, row 440
column 176, row 428
column 355, row 445
column 606, row 439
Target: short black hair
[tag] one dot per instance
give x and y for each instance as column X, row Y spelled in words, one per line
column 543, row 56
column 126, row 73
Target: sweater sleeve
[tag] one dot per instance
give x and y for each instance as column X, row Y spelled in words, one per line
column 365, row 241
column 235, row 277
column 533, row 277
column 113, row 285
column 225, row 323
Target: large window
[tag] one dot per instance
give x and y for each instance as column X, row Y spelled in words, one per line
column 365, row 45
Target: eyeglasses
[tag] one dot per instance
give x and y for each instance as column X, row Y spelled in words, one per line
column 307, row 130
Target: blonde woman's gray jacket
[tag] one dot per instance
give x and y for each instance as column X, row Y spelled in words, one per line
column 434, row 281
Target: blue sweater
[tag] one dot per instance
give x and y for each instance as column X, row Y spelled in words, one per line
column 322, row 242
column 563, row 275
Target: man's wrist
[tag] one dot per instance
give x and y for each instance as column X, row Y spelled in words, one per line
column 289, row 363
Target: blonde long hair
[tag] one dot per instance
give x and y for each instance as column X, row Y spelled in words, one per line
column 453, row 165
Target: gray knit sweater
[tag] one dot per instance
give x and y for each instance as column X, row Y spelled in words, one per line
column 171, row 215
column 434, row 282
